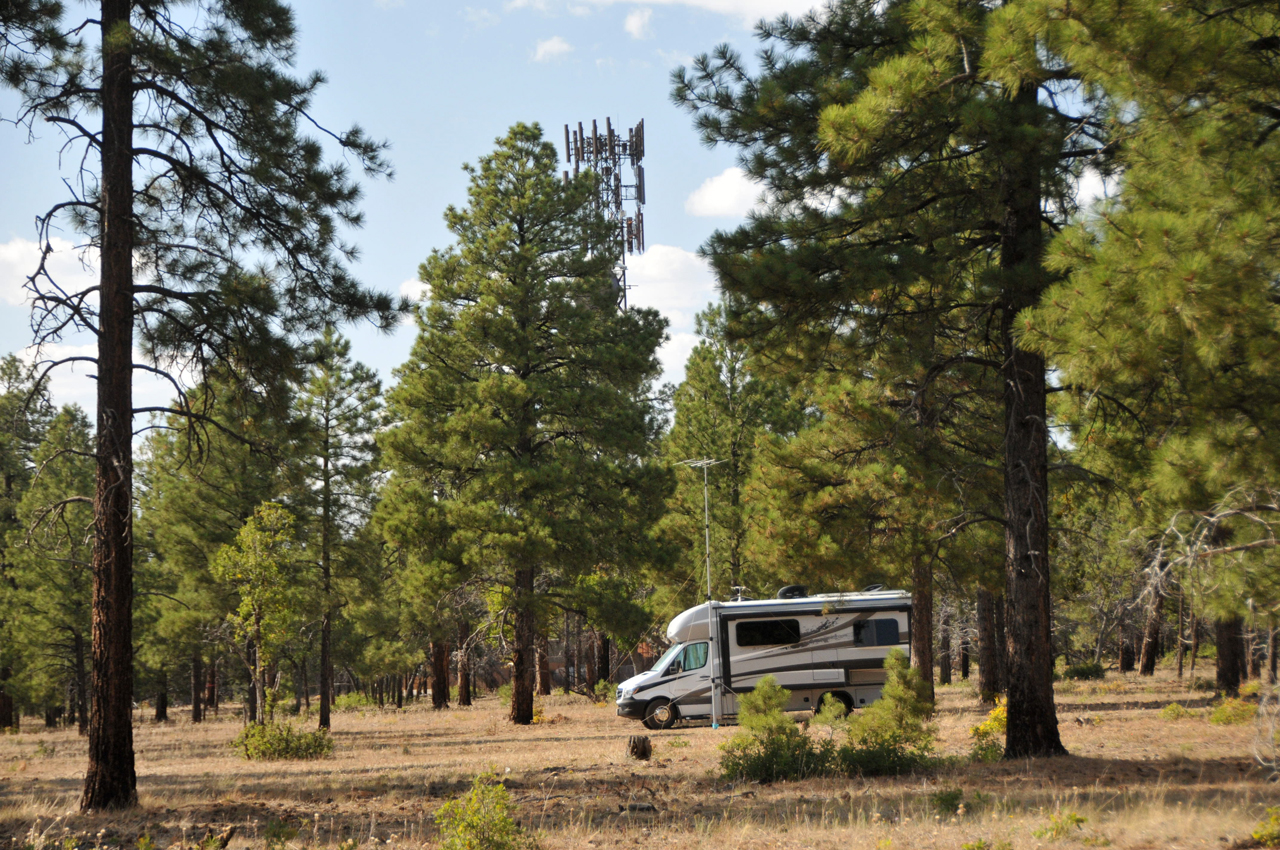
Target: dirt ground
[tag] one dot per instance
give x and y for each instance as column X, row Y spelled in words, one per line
column 1137, row 781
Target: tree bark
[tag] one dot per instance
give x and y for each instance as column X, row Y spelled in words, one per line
column 439, row 675
column 197, row 687
column 1182, row 644
column 544, row 665
column 464, row 664
column 944, row 650
column 162, row 698
column 326, row 573
column 1032, row 716
column 1195, row 641
column 111, row 781
column 1151, row 634
column 922, row 620
column 603, row 667
column 211, row 691
column 524, row 634
column 1227, row 636
column 1271, row 655
column 82, row 687
column 988, row 648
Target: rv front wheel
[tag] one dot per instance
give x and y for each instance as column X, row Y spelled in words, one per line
column 660, row 714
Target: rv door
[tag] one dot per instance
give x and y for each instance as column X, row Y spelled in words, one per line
column 691, row 689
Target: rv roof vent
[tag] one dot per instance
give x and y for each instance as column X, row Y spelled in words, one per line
column 872, row 588
column 793, row 591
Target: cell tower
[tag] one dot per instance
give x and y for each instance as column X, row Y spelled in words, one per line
column 605, row 154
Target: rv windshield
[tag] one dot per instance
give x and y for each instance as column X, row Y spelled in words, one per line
column 667, row 656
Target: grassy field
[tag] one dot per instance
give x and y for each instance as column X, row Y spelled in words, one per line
column 1137, row 781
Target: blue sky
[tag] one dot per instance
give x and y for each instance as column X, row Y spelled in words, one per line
column 441, row 82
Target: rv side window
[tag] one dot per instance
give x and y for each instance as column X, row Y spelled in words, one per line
column 695, row 656
column 887, row 632
column 876, row 633
column 768, row 632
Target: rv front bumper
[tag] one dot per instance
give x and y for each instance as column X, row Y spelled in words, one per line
column 632, row 708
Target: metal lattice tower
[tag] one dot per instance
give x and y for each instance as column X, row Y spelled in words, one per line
column 606, row 154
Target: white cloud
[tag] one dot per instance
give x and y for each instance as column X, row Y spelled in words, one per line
column 414, row 289
column 389, row 4
column 679, row 284
column 637, row 23
column 536, row 5
column 1094, row 187
column 746, row 11
column 20, row 257
column 730, row 193
column 74, row 383
column 478, row 18
column 673, row 58
column 551, row 48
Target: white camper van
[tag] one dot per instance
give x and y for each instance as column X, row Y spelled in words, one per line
column 830, row 643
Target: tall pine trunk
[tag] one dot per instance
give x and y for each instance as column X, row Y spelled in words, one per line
column 1151, row 634
column 111, row 781
column 922, row 620
column 197, row 687
column 1230, row 663
column 988, row 648
column 326, row 619
column 603, row 666
column 464, row 664
column 82, row 687
column 162, row 698
column 1033, row 719
column 439, row 675
column 525, row 634
column 944, row 650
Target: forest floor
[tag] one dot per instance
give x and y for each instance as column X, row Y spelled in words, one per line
column 1137, row 781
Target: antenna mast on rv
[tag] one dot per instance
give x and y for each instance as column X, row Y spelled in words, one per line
column 704, row 464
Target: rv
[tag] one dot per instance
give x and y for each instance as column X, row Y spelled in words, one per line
column 830, row 643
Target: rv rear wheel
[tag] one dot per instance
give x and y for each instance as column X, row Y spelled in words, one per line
column 660, row 714
column 840, row 696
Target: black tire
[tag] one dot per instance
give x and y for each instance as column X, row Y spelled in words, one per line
column 844, row 698
column 660, row 714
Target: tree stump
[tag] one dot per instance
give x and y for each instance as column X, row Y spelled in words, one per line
column 639, row 747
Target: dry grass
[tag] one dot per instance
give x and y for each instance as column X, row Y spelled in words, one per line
column 1138, row 780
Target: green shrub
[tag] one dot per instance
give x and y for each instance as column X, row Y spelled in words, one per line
column 604, row 691
column 1202, row 683
column 278, row 834
column 988, row 736
column 1087, row 670
column 1060, row 826
column 947, row 802
column 890, row 736
column 1174, row 711
column 275, row 741
column 1250, row 689
column 482, row 820
column 770, row 747
column 352, row 701
column 1232, row 712
column 1267, row 832
column 504, row 693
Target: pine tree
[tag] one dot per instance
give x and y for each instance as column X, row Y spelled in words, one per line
column 48, row 586
column 262, row 564
column 522, row 423
column 342, row 408
column 722, row 409
column 198, row 171
column 910, row 152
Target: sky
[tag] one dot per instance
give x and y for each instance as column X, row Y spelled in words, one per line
column 441, row 82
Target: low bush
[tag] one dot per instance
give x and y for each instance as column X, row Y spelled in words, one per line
column 988, row 736
column 604, row 691
column 1089, row 670
column 769, row 746
column 891, row 736
column 277, row 741
column 504, row 693
column 1175, row 711
column 1233, row 712
column 352, row 701
column 482, row 820
column 1060, row 826
column 1267, row 832
column 1202, row 683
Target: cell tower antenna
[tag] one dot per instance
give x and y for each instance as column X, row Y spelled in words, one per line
column 605, row 155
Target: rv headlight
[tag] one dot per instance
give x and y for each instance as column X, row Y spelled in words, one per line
column 628, row 693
